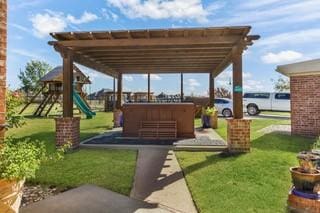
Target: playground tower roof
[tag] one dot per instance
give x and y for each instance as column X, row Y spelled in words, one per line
column 56, row 75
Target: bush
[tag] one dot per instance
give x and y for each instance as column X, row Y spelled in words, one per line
column 13, row 101
column 21, row 159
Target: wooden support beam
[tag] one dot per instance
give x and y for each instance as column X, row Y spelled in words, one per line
column 114, row 94
column 149, row 87
column 181, row 87
column 237, row 84
column 67, row 84
column 211, row 90
column 119, row 92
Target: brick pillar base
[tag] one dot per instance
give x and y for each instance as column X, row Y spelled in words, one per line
column 238, row 135
column 68, row 130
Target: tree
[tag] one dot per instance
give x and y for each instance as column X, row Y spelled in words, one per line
column 33, row 72
column 222, row 92
column 282, row 84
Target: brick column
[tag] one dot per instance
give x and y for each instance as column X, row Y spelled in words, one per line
column 3, row 65
column 68, row 130
column 238, row 135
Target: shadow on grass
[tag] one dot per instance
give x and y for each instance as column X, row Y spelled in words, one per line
column 281, row 142
column 268, row 142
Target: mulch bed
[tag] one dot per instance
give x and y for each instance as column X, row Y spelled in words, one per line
column 35, row 193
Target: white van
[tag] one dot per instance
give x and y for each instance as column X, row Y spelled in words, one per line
column 255, row 102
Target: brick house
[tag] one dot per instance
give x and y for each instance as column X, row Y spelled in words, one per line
column 305, row 96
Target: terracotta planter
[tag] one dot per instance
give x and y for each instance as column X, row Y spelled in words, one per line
column 308, row 161
column 305, row 181
column 214, row 120
column 10, row 195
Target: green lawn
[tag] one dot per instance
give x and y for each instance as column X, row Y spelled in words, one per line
column 275, row 113
column 255, row 182
column 112, row 169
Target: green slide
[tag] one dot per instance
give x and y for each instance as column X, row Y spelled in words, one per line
column 81, row 104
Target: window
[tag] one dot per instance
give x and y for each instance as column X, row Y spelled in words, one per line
column 257, row 95
column 218, row 101
column 282, row 96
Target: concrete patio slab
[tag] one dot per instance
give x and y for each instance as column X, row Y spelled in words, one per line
column 159, row 179
column 93, row 199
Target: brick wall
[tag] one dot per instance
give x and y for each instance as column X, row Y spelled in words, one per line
column 68, row 130
column 305, row 105
column 3, row 58
column 238, row 135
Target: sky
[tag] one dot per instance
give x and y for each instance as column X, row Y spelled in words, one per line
column 289, row 30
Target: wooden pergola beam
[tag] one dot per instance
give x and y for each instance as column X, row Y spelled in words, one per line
column 154, row 42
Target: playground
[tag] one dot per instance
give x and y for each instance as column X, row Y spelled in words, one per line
column 51, row 92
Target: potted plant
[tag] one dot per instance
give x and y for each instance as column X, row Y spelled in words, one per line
column 210, row 117
column 308, row 161
column 18, row 160
column 305, row 181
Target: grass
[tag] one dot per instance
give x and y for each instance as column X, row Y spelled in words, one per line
column 112, row 169
column 44, row 128
column 255, row 182
column 275, row 113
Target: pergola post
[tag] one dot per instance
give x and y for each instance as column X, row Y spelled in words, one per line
column 114, row 94
column 67, row 127
column 238, row 132
column 3, row 67
column 67, row 85
column 237, row 84
column 181, row 87
column 211, row 90
column 119, row 91
column 149, row 98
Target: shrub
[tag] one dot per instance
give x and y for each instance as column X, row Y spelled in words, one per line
column 21, row 159
column 13, row 101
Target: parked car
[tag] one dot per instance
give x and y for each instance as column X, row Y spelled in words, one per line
column 224, row 106
column 255, row 102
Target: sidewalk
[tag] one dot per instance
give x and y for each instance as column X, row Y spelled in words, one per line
column 159, row 180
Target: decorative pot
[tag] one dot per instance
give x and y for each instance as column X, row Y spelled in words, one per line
column 308, row 161
column 305, row 181
column 10, row 195
column 214, row 120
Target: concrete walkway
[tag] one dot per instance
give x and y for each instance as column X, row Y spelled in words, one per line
column 91, row 199
column 159, row 180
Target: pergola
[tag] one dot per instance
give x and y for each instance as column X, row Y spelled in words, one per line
column 187, row 50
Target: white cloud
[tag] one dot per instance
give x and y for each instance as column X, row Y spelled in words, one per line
column 191, row 84
column 20, row 27
column 152, row 77
column 292, row 38
column 45, row 23
column 273, row 13
column 128, row 77
column 52, row 21
column 281, row 57
column 27, row 53
column 252, row 85
column 109, row 15
column 85, row 18
column 165, row 9
column 249, row 84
